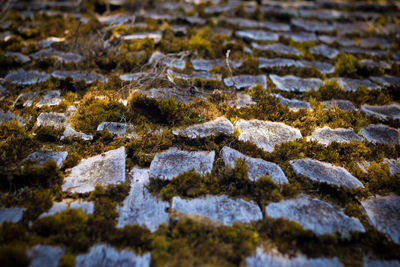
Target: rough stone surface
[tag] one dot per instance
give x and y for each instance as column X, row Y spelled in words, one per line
column 279, row 49
column 42, row 255
column 257, row 35
column 391, row 111
column 103, row 255
column 52, row 119
column 387, row 80
column 277, row 63
column 10, row 116
column 104, row 169
column 219, row 208
column 379, row 133
column 241, row 101
column 140, row 207
column 169, row 62
column 257, row 167
column 312, row 25
column 214, row 127
column 43, row 156
column 206, row 65
column 341, row 104
column 86, row 206
column 156, row 36
column 367, row 262
column 171, row 163
column 328, row 39
column 26, row 99
column 51, row 98
column 246, row 81
column 314, row 214
column 394, row 165
column 13, row 215
column 323, row 67
column 116, row 128
column 300, row 36
column 294, row 104
column 23, row 77
column 59, row 55
column 292, row 83
column 18, row 57
column 79, row 76
column 327, row 135
column 384, row 214
column 277, row 260
column 266, row 134
column 325, row 172
column 351, row 85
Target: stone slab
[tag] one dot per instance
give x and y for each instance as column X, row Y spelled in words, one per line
column 246, row 81
column 351, row 85
column 290, row 83
column 391, row 111
column 23, row 77
column 345, row 105
column 79, row 76
column 51, row 98
column 326, row 135
column 257, row 35
column 43, row 156
column 86, row 206
column 42, row 255
column 279, row 49
column 214, row 127
column 394, row 165
column 12, row 215
column 325, row 51
column 379, row 133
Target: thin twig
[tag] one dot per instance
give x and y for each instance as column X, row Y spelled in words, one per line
column 229, row 67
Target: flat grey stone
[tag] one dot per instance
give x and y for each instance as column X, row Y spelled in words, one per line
column 387, row 80
column 173, row 162
column 52, row 119
column 70, row 132
column 116, row 128
column 103, row 255
column 325, row 51
column 364, row 51
column 158, row 57
column 43, row 156
column 322, row 14
column 156, row 36
column 373, row 42
column 179, row 29
column 266, row 134
column 132, row 76
column 293, row 104
column 79, row 76
column 3, row 92
column 278, row 260
column 327, row 135
column 394, row 165
column 290, row 83
column 314, row 214
column 23, row 77
column 12, row 215
column 206, row 65
column 351, row 85
column 42, row 255
column 341, row 104
column 165, row 93
column 268, row 63
column 59, row 55
column 325, row 172
column 323, row 67
column 257, row 167
column 51, row 98
column 359, row 27
column 202, row 75
column 219, row 208
column 49, row 41
column 246, row 23
column 195, row 20
column 10, row 116
column 26, row 99
column 278, row 49
column 241, row 101
column 18, row 57
column 367, row 262
column 140, row 207
column 300, row 36
column 379, row 133
column 391, row 111
column 364, row 165
column 384, row 214
column 257, row 35
column 214, row 127
column 117, row 19
column 373, row 64
column 86, row 206
column 312, row 25
column 104, row 169
column 246, row 81
column 343, row 41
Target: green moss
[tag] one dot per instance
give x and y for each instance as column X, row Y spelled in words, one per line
column 201, row 45
column 346, row 65
column 13, row 256
column 67, row 260
column 48, row 134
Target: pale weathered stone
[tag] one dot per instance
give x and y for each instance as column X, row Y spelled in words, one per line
column 384, row 214
column 214, row 127
column 257, row 167
column 246, row 81
column 312, row 25
column 51, row 98
column 70, row 132
column 341, row 104
column 241, row 101
column 49, row 41
column 379, row 133
column 351, row 85
column 327, row 135
column 387, row 80
column 23, row 77
column 202, row 75
column 391, row 111
column 322, row 14
column 173, row 162
column 293, row 104
column 373, row 64
column 343, row 41
column 277, row 260
column 257, row 35
column 158, row 57
column 165, row 93
column 86, row 206
column 266, row 134
column 364, row 51
column 367, row 262
column 42, row 255
column 52, row 119
column 104, row 169
column 140, row 207
column 206, row 65
column 59, row 55
column 156, row 36
column 18, row 57
column 246, row 23
column 116, row 128
column 325, row 51
column 323, row 67
column 374, row 42
column 79, row 76
column 219, row 208
column 292, row 83
column 132, row 76
column 300, row 36
column 314, row 214
column 102, row 255
column 26, row 99
column 279, row 49
column 43, row 156
column 325, row 172
column 394, row 165
column 12, row 215
column 10, row 116
column 268, row 63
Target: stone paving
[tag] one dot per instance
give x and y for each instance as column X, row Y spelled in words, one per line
column 146, row 108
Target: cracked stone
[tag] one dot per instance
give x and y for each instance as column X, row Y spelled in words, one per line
column 169, row 62
column 10, row 116
column 343, row 41
column 277, row 63
column 18, row 57
column 323, row 67
column 53, row 119
column 300, row 36
column 387, row 80
column 312, row 25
